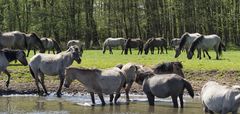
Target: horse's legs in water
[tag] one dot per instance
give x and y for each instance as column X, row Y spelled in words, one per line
column 175, row 102
column 127, row 89
column 101, row 98
column 42, row 83
column 9, row 76
column 61, row 77
column 92, row 97
column 205, row 109
column 116, row 97
column 151, row 98
column 111, row 98
column 35, row 76
column 181, row 100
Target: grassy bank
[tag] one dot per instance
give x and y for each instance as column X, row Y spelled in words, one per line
column 198, row 72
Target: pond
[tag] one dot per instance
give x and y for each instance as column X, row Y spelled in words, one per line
column 80, row 104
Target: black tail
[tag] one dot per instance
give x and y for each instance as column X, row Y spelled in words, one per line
column 189, row 88
column 31, row 72
column 221, row 47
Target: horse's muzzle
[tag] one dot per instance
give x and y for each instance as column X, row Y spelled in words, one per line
column 78, row 61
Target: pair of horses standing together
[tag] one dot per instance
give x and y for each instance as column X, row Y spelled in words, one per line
column 194, row 41
column 155, row 83
column 20, row 40
column 127, row 44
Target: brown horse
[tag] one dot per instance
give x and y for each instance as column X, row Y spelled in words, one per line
column 155, row 42
column 133, row 43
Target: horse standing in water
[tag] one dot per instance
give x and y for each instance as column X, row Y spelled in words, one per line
column 113, row 42
column 51, row 44
column 108, row 81
column 165, row 85
column 133, row 43
column 155, row 42
column 52, row 65
column 131, row 71
column 8, row 55
column 206, row 42
column 220, row 99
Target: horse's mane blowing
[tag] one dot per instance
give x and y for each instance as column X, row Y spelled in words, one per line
column 195, row 43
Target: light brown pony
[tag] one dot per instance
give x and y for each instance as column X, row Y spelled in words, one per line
column 107, row 81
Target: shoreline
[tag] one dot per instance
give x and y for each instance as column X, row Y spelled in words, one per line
column 196, row 78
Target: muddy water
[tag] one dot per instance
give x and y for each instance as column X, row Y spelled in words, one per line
column 80, row 104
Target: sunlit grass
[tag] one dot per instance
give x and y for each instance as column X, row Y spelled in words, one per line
column 95, row 59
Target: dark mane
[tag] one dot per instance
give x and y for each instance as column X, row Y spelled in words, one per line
column 164, row 67
column 147, row 44
column 183, row 40
column 34, row 35
column 195, row 43
column 56, row 45
column 10, row 54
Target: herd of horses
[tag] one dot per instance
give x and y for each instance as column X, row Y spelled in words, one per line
column 188, row 41
column 163, row 80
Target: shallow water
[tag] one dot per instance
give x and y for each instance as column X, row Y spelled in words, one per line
column 80, row 104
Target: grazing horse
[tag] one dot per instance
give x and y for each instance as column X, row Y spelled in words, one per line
column 131, row 70
column 175, row 43
column 165, row 85
column 51, row 44
column 185, row 43
column 220, row 99
column 8, row 55
column 51, row 64
column 133, row 43
column 155, row 42
column 107, row 81
column 34, row 42
column 113, row 42
column 207, row 42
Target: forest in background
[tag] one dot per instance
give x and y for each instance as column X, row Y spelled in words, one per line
column 95, row 20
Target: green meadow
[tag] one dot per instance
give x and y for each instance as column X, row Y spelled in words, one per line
column 230, row 61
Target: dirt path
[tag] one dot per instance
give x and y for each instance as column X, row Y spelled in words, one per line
column 196, row 78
